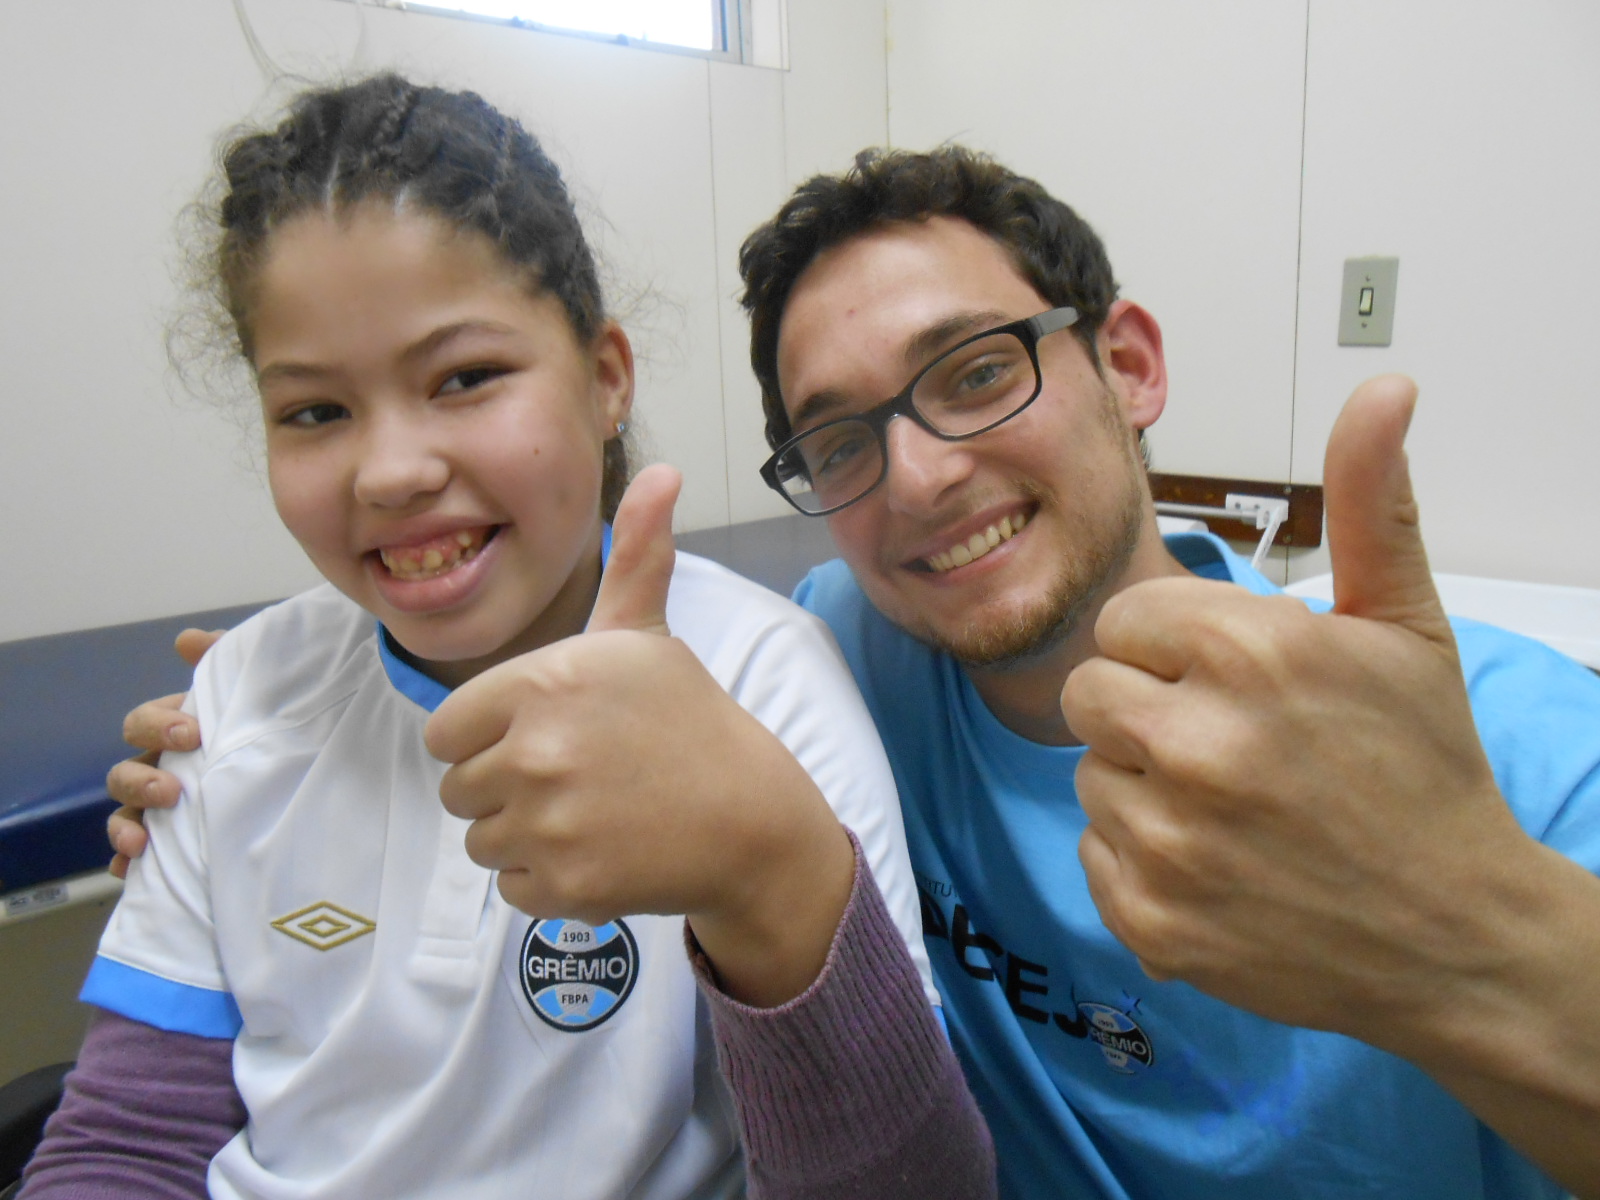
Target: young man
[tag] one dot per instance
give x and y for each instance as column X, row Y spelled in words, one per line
column 1224, row 897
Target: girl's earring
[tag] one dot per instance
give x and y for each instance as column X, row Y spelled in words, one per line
column 622, row 428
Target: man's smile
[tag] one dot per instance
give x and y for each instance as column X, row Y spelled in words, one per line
column 978, row 544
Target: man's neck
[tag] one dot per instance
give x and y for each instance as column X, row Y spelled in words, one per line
column 1025, row 696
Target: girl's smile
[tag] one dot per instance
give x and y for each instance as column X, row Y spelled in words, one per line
column 435, row 431
column 434, row 573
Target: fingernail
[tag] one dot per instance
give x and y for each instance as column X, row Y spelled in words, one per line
column 152, row 792
column 181, row 737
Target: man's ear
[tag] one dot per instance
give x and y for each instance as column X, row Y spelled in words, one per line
column 612, row 361
column 1129, row 342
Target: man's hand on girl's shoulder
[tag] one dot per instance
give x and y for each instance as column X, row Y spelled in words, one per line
column 136, row 783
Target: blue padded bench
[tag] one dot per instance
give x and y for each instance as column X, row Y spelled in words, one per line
column 776, row 552
column 63, row 697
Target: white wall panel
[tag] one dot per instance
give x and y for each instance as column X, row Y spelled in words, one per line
column 1461, row 137
column 1174, row 129
column 835, row 92
column 130, row 504
column 751, row 183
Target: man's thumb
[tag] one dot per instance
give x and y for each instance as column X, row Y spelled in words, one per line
column 1380, row 568
column 633, row 589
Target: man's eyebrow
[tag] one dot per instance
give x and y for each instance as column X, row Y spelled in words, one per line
column 421, row 348
column 924, row 344
column 928, row 342
column 816, row 407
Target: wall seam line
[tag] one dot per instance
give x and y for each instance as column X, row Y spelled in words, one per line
column 716, row 278
column 1299, row 259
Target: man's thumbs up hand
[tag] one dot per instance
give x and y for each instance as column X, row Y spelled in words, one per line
column 1287, row 809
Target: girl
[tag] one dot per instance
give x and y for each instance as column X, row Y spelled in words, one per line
column 310, row 987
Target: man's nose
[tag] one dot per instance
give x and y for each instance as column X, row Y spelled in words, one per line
column 399, row 462
column 922, row 467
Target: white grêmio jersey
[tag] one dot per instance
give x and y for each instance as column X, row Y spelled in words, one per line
column 400, row 1030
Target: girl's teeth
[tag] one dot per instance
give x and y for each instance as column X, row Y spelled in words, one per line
column 411, row 564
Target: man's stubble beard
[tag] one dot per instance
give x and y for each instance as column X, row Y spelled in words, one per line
column 1018, row 638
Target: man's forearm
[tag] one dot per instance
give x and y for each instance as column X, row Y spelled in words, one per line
column 1519, row 1041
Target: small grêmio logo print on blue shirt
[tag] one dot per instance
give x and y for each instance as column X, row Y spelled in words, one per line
column 576, row 976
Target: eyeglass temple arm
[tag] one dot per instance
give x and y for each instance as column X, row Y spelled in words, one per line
column 1049, row 322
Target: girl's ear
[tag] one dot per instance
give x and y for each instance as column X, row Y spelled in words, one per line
column 613, row 377
column 1130, row 348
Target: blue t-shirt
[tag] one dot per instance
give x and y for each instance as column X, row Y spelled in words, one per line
column 1098, row 1081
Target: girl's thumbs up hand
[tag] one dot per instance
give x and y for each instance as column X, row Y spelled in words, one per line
column 610, row 774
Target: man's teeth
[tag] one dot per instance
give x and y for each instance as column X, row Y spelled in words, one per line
column 424, row 562
column 979, row 544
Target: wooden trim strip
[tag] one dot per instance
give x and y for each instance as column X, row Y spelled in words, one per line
column 1302, row 530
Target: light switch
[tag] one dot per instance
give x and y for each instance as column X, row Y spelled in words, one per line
column 1366, row 309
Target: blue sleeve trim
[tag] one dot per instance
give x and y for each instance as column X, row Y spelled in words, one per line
column 944, row 1025
column 175, row 1007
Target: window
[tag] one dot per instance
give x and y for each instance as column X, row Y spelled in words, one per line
column 747, row 31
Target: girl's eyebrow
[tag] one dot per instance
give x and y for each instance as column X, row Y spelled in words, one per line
column 441, row 336
column 421, row 348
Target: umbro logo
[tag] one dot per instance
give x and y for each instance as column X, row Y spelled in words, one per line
column 324, row 926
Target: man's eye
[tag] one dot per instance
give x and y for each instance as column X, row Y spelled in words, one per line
column 472, row 377
column 838, row 452
column 985, row 375
column 311, row 415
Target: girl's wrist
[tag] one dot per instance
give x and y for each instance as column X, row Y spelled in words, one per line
column 770, row 943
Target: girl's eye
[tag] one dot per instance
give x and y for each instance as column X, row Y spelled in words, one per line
column 465, row 381
column 311, row 415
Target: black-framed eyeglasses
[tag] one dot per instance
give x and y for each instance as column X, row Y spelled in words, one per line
column 978, row 383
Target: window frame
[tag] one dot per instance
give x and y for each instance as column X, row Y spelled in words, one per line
column 732, row 22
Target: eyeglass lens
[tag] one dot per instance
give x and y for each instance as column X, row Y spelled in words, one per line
column 974, row 387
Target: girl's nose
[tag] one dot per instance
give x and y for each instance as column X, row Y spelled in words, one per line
column 922, row 467
column 399, row 464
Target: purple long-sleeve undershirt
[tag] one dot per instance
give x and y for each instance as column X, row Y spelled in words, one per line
column 144, row 1113
column 850, row 1091
column 846, row 1092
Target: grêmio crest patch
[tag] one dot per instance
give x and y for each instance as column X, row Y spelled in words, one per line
column 577, row 976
